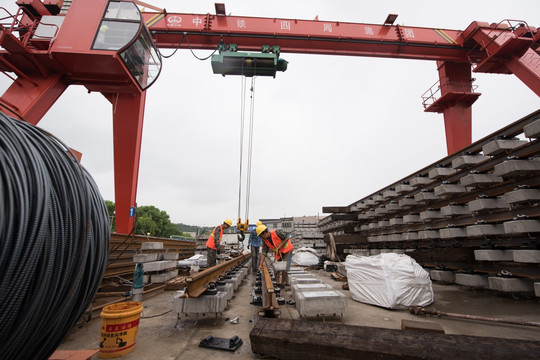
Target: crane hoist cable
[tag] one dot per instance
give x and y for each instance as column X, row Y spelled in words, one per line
column 239, row 225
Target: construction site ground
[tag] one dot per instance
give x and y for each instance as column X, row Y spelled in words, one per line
column 160, row 337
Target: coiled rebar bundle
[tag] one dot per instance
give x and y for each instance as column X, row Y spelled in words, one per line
column 54, row 235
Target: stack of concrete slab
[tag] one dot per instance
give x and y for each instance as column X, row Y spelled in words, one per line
column 312, row 297
column 306, row 233
column 503, row 283
column 298, row 288
column 159, row 266
column 509, row 284
column 299, row 278
column 484, row 198
column 160, row 271
column 444, row 276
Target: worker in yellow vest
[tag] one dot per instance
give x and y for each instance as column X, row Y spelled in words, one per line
column 214, row 241
column 278, row 241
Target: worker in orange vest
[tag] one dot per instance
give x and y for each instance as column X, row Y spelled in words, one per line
column 214, row 240
column 278, row 241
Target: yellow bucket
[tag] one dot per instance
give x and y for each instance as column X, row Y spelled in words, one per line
column 119, row 327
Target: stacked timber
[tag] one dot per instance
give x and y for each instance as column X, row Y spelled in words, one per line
column 338, row 341
column 473, row 216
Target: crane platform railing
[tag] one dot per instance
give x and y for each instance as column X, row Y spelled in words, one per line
column 9, row 24
column 17, row 34
column 512, row 25
column 435, row 91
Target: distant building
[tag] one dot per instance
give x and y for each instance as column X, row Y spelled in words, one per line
column 229, row 242
column 304, row 230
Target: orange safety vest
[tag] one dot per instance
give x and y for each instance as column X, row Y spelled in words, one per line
column 210, row 242
column 276, row 241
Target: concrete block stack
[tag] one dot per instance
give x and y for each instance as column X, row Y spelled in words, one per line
column 481, row 199
column 200, row 247
column 303, row 279
column 298, row 288
column 306, row 233
column 505, row 282
column 159, row 266
column 314, row 298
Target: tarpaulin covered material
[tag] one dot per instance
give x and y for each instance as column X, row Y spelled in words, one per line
column 389, row 280
column 305, row 257
column 195, row 260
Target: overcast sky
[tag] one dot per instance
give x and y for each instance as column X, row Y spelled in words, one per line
column 328, row 132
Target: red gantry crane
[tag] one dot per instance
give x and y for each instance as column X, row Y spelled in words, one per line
column 109, row 46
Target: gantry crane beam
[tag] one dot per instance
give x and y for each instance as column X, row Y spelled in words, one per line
column 507, row 47
column 305, row 36
column 48, row 49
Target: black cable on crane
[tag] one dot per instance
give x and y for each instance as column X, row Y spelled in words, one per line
column 250, row 143
column 54, row 236
column 242, row 122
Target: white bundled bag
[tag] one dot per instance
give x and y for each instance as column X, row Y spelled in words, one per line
column 389, row 280
column 305, row 257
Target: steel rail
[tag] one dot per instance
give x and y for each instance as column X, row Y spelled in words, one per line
column 270, row 306
column 417, row 310
column 198, row 283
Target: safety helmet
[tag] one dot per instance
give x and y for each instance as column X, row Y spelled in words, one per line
column 259, row 223
column 260, row 229
column 228, row 222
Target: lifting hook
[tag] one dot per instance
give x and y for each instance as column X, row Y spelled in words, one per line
column 242, row 226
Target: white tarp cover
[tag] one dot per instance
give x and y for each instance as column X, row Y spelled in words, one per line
column 195, row 260
column 389, row 280
column 305, row 257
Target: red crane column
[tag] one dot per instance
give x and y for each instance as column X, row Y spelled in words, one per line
column 455, row 103
column 128, row 116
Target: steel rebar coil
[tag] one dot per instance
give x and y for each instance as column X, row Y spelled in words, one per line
column 54, row 234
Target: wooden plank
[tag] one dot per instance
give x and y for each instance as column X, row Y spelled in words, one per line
column 335, row 209
column 346, row 239
column 338, row 276
column 73, row 354
column 177, row 283
column 336, row 217
column 296, row 339
column 443, row 254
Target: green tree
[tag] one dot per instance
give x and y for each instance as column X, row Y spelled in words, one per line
column 110, row 209
column 154, row 221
